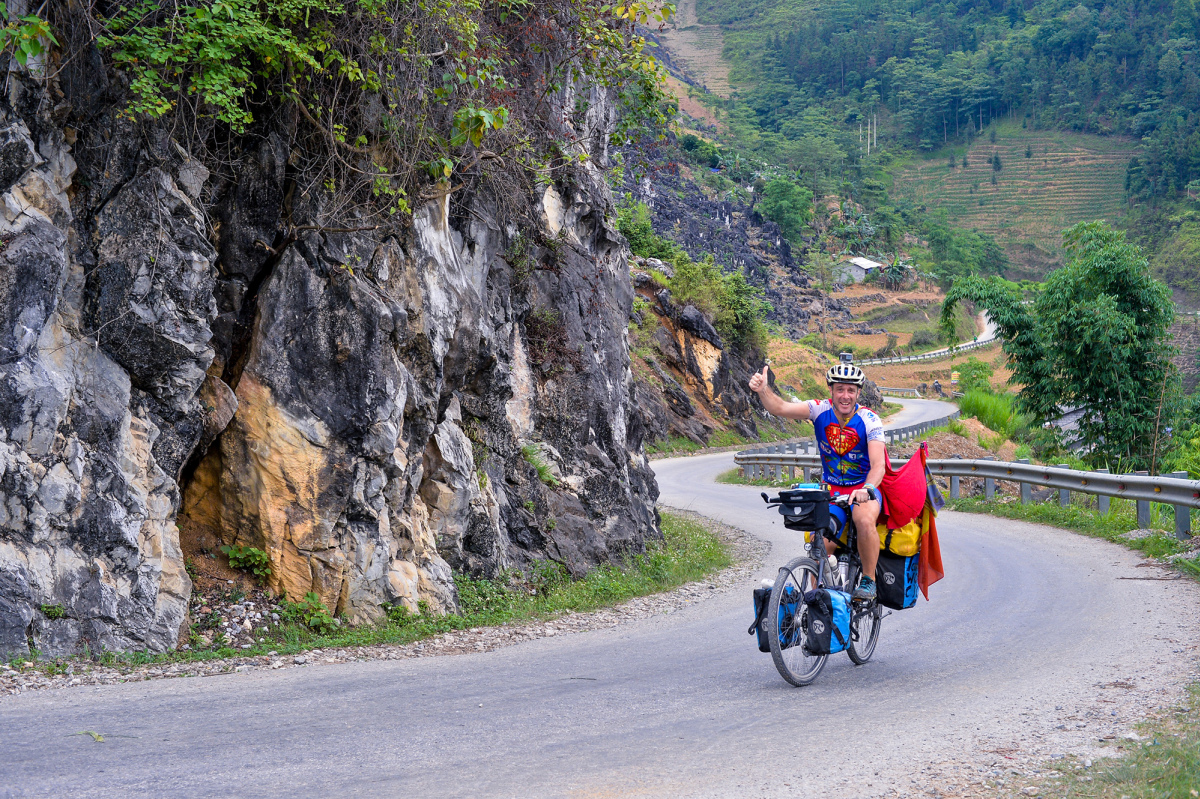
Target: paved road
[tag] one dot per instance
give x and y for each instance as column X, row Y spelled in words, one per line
column 916, row 410
column 1028, row 619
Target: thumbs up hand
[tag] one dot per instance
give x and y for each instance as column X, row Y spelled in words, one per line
column 759, row 380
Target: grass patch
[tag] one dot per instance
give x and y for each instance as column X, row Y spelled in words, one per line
column 688, row 552
column 533, row 454
column 675, row 445
column 995, row 411
column 678, row 445
column 1077, row 516
column 1165, row 764
column 734, row 477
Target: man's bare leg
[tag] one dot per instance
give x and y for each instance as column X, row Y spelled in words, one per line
column 865, row 515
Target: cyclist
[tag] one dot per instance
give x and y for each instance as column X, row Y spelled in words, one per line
column 853, row 455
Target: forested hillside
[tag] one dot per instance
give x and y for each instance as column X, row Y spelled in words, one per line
column 944, row 71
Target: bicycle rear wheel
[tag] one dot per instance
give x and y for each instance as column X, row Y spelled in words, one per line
column 787, row 623
column 864, row 633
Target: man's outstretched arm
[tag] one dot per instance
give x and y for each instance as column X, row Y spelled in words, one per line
column 775, row 404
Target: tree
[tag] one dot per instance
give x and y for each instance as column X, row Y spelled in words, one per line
column 895, row 274
column 788, row 205
column 1095, row 338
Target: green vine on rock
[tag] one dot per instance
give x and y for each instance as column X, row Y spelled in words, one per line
column 24, row 37
column 406, row 98
column 219, row 52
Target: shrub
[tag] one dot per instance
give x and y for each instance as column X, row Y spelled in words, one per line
column 547, row 575
column 974, row 375
column 546, row 335
column 1185, row 455
column 789, row 206
column 311, row 611
column 478, row 596
column 923, row 338
column 53, row 612
column 249, row 559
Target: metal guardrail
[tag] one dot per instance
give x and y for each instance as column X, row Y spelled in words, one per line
column 904, row 392
column 1175, row 489
column 892, row 434
column 931, row 356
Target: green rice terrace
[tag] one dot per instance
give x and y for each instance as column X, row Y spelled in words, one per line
column 1047, row 182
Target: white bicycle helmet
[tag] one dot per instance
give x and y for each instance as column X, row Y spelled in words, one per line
column 845, row 373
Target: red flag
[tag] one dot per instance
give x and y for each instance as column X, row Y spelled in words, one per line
column 929, row 562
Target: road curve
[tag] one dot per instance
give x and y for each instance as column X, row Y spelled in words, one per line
column 1036, row 643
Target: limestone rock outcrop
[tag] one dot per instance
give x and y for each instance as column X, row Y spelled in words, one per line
column 357, row 404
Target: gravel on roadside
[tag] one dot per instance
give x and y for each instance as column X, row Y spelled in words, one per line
column 747, row 553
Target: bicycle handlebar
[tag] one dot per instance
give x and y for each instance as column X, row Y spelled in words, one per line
column 842, row 499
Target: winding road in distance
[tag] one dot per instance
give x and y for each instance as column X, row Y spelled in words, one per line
column 1036, row 643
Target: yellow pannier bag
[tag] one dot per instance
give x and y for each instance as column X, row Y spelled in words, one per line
column 903, row 541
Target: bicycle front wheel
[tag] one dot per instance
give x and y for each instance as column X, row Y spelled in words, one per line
column 864, row 633
column 787, row 623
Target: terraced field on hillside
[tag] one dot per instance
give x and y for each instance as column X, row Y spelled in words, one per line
column 1067, row 178
column 698, row 49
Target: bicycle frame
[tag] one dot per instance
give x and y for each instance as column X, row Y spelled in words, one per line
column 815, row 562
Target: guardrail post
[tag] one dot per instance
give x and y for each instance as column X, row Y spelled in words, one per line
column 1183, row 514
column 954, row 490
column 791, row 450
column 1143, row 509
column 1101, row 499
column 989, row 483
column 1064, row 494
column 1026, row 488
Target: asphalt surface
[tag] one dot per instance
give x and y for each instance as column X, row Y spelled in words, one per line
column 1028, row 625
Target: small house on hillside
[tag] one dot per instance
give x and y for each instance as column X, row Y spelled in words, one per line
column 855, row 270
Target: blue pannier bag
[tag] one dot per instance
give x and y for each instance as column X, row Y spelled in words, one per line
column 896, row 580
column 828, row 621
column 788, row 605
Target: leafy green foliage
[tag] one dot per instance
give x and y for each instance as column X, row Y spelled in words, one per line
column 736, row 307
column 924, row 338
column 633, row 220
column 699, row 151
column 1096, row 338
column 310, row 611
column 397, row 93
column 25, row 37
column 960, row 253
column 248, row 559
column 217, row 52
column 974, row 375
column 936, row 73
column 53, row 612
column 1185, row 455
column 788, row 205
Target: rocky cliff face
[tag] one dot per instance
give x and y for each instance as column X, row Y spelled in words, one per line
column 177, row 363
column 738, row 238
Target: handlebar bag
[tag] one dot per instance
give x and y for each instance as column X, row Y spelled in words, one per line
column 828, row 621
column 896, row 580
column 804, row 508
column 789, row 635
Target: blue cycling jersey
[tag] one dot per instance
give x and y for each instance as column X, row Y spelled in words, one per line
column 843, row 448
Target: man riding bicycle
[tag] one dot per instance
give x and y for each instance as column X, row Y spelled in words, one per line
column 853, row 455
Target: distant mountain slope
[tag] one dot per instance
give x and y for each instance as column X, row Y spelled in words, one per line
column 1067, row 178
